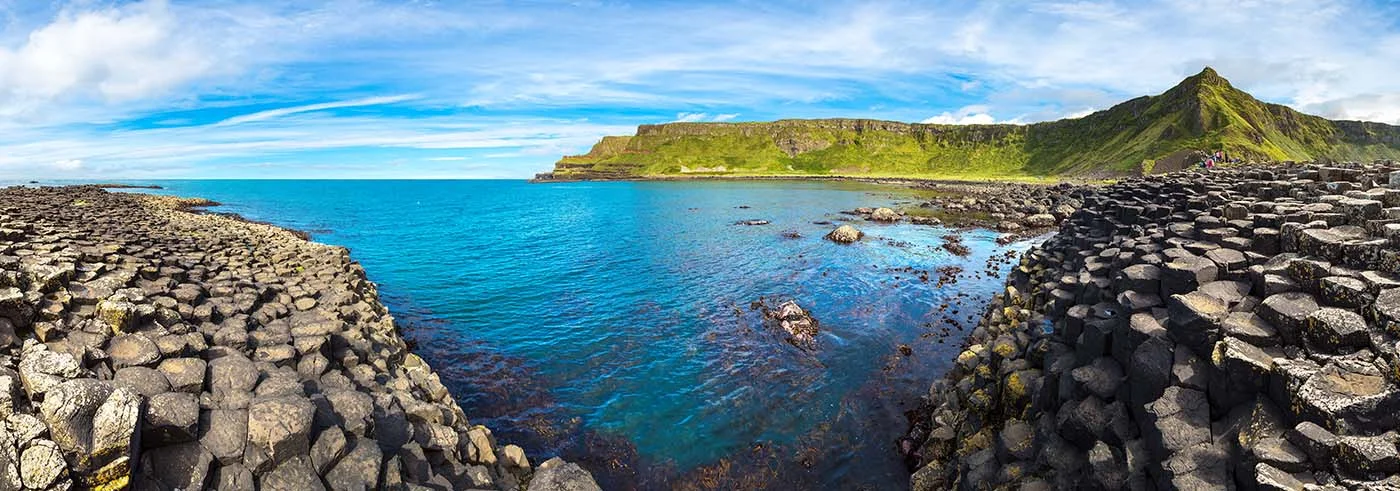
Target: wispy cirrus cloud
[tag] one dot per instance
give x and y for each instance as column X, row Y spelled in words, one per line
column 287, row 111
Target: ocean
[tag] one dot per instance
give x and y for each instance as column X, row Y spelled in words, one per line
column 613, row 323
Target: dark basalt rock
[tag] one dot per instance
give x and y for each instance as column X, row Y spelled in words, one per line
column 1257, row 332
column 146, row 347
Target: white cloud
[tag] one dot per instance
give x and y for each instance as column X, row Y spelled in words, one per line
column 703, row 117
column 68, row 165
column 286, row 111
column 975, row 114
column 115, row 54
column 1081, row 113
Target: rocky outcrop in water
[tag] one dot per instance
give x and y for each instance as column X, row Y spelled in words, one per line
column 845, row 234
column 146, row 347
column 1227, row 330
column 798, row 326
column 1006, row 207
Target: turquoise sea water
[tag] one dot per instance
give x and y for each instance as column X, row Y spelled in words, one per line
column 611, row 322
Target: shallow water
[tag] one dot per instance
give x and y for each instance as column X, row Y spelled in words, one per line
column 614, row 319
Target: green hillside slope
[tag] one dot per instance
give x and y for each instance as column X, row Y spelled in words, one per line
column 1203, row 112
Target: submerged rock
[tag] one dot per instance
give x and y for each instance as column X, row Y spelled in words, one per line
column 799, row 327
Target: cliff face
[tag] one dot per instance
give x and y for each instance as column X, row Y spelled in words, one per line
column 1203, row 112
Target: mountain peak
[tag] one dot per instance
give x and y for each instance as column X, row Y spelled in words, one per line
column 1207, row 78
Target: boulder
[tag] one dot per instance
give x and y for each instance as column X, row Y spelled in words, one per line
column 845, row 234
column 884, row 215
column 557, row 475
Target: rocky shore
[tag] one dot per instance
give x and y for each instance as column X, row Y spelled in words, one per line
column 143, row 346
column 1232, row 329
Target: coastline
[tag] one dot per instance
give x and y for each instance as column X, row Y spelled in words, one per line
column 1197, row 330
column 144, row 344
column 540, row 178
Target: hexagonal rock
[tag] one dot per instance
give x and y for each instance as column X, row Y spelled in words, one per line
column 1348, row 397
column 69, row 410
column 280, row 427
column 1107, row 467
column 358, row 469
column 1186, row 274
column 1016, row 441
column 1314, row 440
column 1242, row 370
column 293, row 474
column 224, row 432
column 1281, row 454
column 1250, row 328
column 1334, row 330
column 1194, row 319
column 1178, row 420
column 144, row 380
column 1288, row 312
column 1386, row 310
column 1346, row 292
column 1270, row 478
column 1203, row 466
column 1101, row 377
column 1368, row 457
column 129, row 350
column 120, row 315
column 1142, row 278
column 352, row 409
column 184, row 374
column 1321, row 242
column 183, row 466
column 1228, row 259
column 231, row 380
column 172, row 417
column 557, row 475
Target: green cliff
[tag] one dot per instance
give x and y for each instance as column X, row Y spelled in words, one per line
column 1203, row 112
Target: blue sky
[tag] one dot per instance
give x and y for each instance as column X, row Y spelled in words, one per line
column 427, row 89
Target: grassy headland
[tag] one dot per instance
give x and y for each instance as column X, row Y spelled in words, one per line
column 1203, row 112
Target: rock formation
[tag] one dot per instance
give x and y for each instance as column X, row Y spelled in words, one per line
column 146, row 347
column 844, row 234
column 1233, row 329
